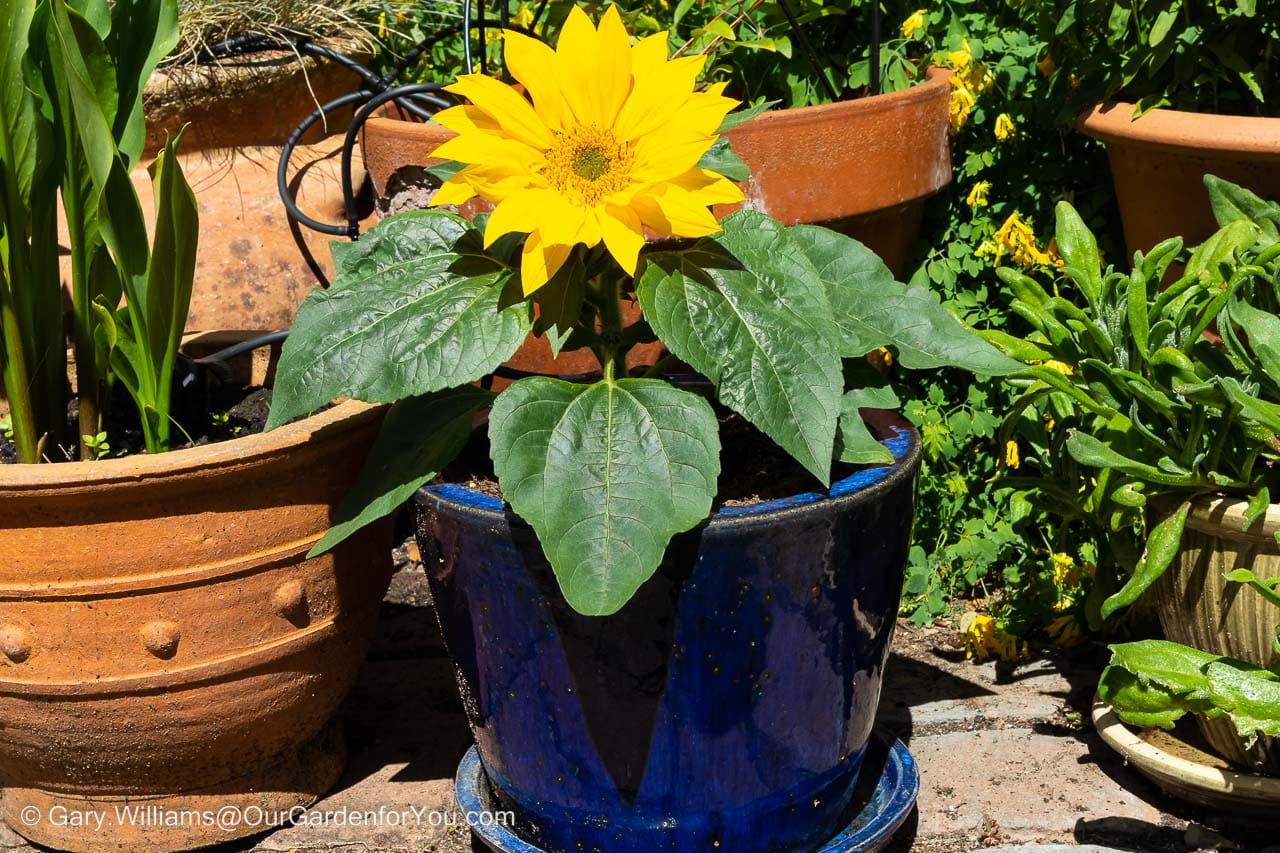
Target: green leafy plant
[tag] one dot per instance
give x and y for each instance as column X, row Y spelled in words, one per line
column 778, row 320
column 1155, row 682
column 1152, row 413
column 71, row 126
column 1196, row 55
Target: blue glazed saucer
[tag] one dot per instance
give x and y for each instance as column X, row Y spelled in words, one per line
column 888, row 801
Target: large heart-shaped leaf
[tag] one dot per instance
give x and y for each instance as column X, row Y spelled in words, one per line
column 748, row 311
column 419, row 437
column 605, row 474
column 427, row 321
column 872, row 310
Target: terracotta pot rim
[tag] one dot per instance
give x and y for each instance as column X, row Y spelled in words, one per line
column 936, row 78
column 1243, row 137
column 1223, row 516
column 21, row 478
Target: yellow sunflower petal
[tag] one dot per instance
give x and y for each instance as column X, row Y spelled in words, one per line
column 661, row 157
column 496, row 185
column 709, row 187
column 650, row 104
column 703, row 112
column 593, row 67
column 491, row 150
column 467, row 119
column 623, row 235
column 533, row 64
column 522, row 212
column 539, row 262
column 502, row 102
column 650, row 52
column 672, row 210
column 456, row 190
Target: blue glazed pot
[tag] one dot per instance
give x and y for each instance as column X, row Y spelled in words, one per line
column 726, row 707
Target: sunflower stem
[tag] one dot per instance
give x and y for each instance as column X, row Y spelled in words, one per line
column 608, row 300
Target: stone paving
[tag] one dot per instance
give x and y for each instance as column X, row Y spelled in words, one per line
column 1007, row 758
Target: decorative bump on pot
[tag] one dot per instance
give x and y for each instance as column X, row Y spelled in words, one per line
column 290, row 601
column 15, row 642
column 161, row 638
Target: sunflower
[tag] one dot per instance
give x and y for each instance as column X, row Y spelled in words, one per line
column 606, row 146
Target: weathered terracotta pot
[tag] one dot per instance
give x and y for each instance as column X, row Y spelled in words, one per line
column 1199, row 608
column 166, row 649
column 864, row 166
column 1158, row 163
column 238, row 113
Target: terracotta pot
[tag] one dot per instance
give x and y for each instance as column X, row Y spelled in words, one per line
column 166, row 646
column 1158, row 163
column 238, row 113
column 863, row 166
column 1200, row 608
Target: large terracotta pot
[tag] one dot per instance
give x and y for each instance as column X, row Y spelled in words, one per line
column 864, row 166
column 1201, row 609
column 1159, row 161
column 238, row 113
column 166, row 646
column 727, row 706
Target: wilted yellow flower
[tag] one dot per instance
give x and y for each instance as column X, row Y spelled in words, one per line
column 1011, row 454
column 885, row 355
column 1005, row 128
column 977, row 196
column 983, row 638
column 913, row 24
column 1065, row 572
column 961, row 103
column 608, row 147
column 1065, row 632
column 1019, row 240
column 1047, row 65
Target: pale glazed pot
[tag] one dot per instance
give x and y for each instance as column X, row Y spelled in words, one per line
column 164, row 642
column 1199, row 608
column 1159, row 161
column 864, row 166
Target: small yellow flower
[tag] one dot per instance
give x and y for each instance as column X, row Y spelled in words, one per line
column 961, row 104
column 1049, row 423
column 885, row 356
column 959, row 59
column 524, row 16
column 1047, row 65
column 1011, row 454
column 989, row 249
column 1062, row 367
column 382, row 25
column 913, row 24
column 982, row 638
column 1065, row 632
column 1005, row 128
column 1019, row 240
column 605, row 147
column 1065, row 572
column 977, row 196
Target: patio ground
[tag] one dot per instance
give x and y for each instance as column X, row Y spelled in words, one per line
column 1008, row 759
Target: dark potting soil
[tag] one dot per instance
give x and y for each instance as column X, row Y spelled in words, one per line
column 228, row 412
column 753, row 468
